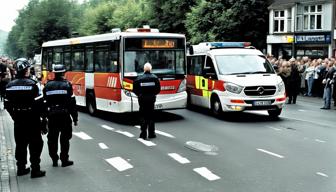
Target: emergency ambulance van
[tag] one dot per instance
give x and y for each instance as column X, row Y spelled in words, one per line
column 233, row 77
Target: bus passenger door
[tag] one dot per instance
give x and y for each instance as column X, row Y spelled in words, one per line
column 207, row 81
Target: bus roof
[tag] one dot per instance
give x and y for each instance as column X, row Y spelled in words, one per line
column 107, row 37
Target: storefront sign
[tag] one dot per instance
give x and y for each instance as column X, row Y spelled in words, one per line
column 313, row 39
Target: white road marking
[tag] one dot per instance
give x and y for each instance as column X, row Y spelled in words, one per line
column 82, row 135
column 322, row 174
column 276, row 129
column 119, row 163
column 179, row 158
column 271, row 153
column 159, row 132
column 147, row 143
column 301, row 110
column 103, row 146
column 320, row 141
column 206, row 173
column 164, row 134
column 128, row 134
column 107, row 127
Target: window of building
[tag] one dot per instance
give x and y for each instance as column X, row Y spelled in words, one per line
column 312, row 18
column 279, row 21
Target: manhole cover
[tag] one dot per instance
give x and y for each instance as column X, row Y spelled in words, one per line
column 201, row 147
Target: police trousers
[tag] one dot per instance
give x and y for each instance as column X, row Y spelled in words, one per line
column 59, row 127
column 27, row 135
column 147, row 117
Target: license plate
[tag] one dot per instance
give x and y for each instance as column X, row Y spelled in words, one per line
column 261, row 103
column 158, row 106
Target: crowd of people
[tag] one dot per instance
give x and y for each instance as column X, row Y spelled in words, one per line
column 309, row 77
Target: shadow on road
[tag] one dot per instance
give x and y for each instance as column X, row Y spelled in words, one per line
column 241, row 117
column 134, row 118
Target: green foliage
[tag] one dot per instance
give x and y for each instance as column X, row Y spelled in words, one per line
column 3, row 37
column 170, row 16
column 200, row 20
column 239, row 20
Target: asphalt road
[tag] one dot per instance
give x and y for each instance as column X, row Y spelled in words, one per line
column 195, row 151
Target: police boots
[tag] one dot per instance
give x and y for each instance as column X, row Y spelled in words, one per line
column 67, row 163
column 22, row 171
column 36, row 174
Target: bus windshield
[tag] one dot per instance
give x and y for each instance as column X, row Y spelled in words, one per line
column 166, row 59
column 243, row 64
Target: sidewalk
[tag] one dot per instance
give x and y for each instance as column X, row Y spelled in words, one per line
column 8, row 178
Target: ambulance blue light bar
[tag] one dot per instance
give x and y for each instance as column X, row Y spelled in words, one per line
column 228, row 44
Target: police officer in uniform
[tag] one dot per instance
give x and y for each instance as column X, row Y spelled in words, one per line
column 146, row 87
column 61, row 106
column 26, row 108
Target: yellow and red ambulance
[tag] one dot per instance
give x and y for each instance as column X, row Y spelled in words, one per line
column 233, row 77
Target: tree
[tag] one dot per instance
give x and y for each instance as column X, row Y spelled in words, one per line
column 239, row 20
column 170, row 16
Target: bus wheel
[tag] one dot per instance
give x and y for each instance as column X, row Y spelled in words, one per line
column 274, row 114
column 216, row 107
column 91, row 104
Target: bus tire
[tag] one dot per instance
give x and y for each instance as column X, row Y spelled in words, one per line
column 216, row 106
column 274, row 114
column 91, row 104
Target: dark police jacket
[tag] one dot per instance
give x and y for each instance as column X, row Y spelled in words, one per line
column 146, row 87
column 60, row 100
column 23, row 100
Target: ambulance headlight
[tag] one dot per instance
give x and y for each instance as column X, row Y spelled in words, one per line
column 233, row 88
column 281, row 86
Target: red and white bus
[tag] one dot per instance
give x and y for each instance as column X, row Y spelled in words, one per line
column 102, row 68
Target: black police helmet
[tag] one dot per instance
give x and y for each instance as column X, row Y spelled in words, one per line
column 58, row 68
column 22, row 64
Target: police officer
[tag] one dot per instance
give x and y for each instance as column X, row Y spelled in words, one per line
column 26, row 108
column 146, row 87
column 61, row 106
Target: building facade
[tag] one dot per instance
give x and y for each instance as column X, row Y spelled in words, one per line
column 300, row 28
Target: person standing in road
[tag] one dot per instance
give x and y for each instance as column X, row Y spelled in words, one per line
column 328, row 81
column 146, row 87
column 61, row 106
column 26, row 108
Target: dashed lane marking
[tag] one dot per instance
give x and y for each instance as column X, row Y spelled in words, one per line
column 206, row 173
column 320, row 141
column 159, row 132
column 271, row 153
column 119, row 163
column 274, row 128
column 147, row 143
column 322, row 174
column 179, row 158
column 128, row 134
column 107, row 127
column 82, row 135
column 103, row 146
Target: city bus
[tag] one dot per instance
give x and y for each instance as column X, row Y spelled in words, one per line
column 102, row 68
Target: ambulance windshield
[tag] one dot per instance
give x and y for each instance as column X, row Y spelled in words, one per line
column 243, row 64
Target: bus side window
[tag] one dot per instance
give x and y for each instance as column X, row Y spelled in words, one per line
column 114, row 62
column 89, row 59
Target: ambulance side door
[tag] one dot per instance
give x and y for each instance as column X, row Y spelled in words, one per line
column 194, row 69
column 207, row 81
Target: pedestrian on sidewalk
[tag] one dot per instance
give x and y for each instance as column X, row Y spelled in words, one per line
column 62, row 111
column 146, row 87
column 328, row 83
column 26, row 108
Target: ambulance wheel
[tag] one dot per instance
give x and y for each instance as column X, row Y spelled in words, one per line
column 91, row 104
column 274, row 114
column 216, row 106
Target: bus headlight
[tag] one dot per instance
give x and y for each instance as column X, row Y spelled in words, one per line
column 281, row 86
column 233, row 88
column 183, row 86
